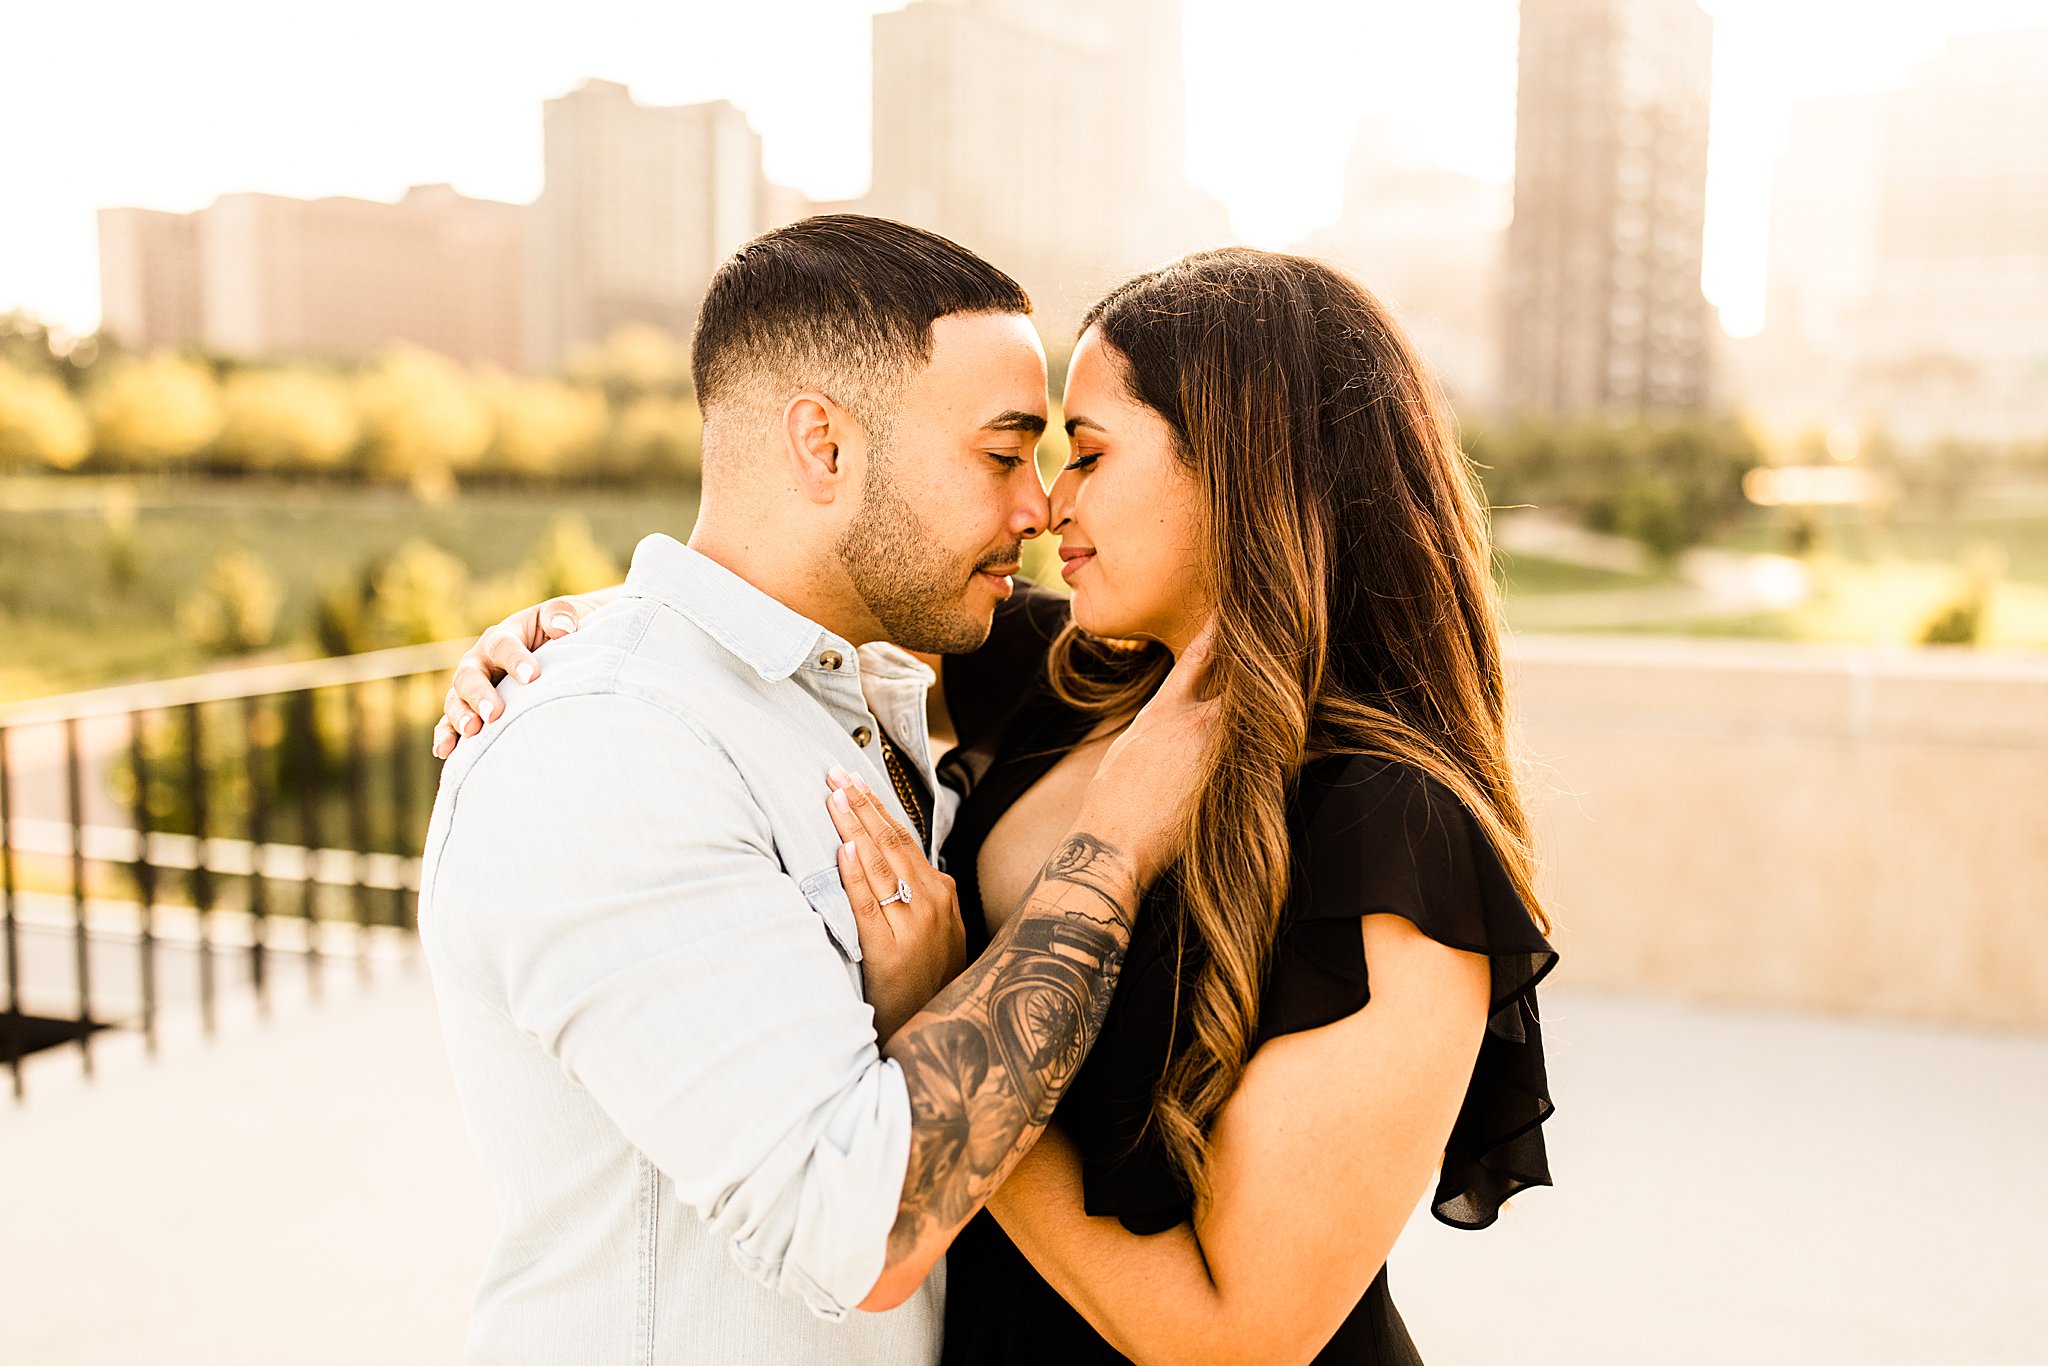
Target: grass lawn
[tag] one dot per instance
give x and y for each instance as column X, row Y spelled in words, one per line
column 1878, row 583
column 83, row 603
column 2013, row 530
column 92, row 571
column 1887, row 603
column 1533, row 574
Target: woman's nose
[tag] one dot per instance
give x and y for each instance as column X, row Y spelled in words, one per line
column 1060, row 500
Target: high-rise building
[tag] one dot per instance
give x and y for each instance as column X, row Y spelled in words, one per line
column 640, row 205
column 1953, row 333
column 261, row 275
column 1908, row 275
column 1429, row 243
column 1603, row 309
column 149, row 278
column 1824, row 219
column 1073, row 182
column 1822, row 259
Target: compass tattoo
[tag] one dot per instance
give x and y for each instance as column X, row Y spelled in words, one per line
column 988, row 1060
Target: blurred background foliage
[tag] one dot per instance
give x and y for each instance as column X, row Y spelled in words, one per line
column 621, row 414
column 160, row 513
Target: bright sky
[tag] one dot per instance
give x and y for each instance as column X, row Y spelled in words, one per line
column 167, row 106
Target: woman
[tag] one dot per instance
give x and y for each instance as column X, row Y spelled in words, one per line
column 1334, row 989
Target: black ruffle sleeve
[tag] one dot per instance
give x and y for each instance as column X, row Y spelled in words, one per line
column 1376, row 837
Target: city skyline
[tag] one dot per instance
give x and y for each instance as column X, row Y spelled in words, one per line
column 176, row 135
column 641, row 202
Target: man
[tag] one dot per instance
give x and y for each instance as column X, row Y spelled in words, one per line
column 648, row 973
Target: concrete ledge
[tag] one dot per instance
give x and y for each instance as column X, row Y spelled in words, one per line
column 1849, row 831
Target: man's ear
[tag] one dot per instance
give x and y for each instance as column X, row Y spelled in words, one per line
column 814, row 430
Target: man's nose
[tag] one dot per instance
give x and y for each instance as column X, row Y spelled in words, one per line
column 1029, row 517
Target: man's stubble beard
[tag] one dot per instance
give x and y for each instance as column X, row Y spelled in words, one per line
column 906, row 581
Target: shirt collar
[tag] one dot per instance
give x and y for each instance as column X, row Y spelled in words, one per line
column 770, row 636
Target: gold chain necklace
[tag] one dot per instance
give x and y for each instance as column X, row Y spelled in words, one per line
column 905, row 793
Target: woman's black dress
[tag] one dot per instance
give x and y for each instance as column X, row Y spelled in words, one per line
column 1369, row 836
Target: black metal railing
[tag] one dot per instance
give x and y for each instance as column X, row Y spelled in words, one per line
column 169, row 846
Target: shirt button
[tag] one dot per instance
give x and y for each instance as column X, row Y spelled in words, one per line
column 831, row 659
column 862, row 735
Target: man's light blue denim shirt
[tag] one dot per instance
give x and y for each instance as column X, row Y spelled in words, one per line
column 649, row 982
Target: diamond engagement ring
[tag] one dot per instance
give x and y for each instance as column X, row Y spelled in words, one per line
column 902, row 893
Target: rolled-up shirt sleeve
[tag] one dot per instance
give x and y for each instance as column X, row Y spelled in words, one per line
column 607, row 879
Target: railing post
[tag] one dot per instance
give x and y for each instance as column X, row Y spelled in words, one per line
column 202, row 874
column 259, row 836
column 74, row 810
column 405, row 904
column 359, row 825
column 10, row 941
column 282, row 709
column 144, row 873
column 309, row 762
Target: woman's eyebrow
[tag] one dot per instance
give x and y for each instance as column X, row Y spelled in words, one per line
column 1089, row 423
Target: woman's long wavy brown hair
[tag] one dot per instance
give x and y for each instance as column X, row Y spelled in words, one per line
column 1348, row 563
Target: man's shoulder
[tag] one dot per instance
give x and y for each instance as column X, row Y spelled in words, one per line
column 637, row 653
column 631, row 669
column 591, row 746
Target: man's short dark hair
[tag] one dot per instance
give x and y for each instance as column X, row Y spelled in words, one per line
column 841, row 302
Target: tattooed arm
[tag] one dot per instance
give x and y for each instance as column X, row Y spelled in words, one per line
column 989, row 1058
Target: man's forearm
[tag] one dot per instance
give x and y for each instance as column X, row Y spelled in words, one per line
column 988, row 1060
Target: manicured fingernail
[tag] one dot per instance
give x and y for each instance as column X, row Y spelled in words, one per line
column 846, row 851
column 837, row 776
column 859, row 782
column 838, row 800
column 526, row 673
column 562, row 621
column 471, row 725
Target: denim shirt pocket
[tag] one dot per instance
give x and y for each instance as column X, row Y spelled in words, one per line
column 828, row 898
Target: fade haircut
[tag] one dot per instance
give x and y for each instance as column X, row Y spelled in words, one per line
column 842, row 303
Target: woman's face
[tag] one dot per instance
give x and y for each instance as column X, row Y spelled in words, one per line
column 1126, row 508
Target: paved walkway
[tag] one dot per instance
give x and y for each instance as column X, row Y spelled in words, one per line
column 1732, row 1187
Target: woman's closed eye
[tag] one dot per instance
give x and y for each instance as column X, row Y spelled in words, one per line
column 1083, row 462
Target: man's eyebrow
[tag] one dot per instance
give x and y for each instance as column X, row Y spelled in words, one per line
column 1074, row 422
column 1016, row 420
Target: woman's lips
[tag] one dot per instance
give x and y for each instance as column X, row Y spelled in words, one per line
column 1075, row 564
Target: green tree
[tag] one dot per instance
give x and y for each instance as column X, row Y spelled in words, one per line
column 156, row 411
column 635, row 359
column 235, row 610
column 1963, row 618
column 422, row 419
column 420, row 595
column 658, row 439
column 545, row 429
column 569, row 560
column 1650, row 513
column 290, row 421
column 1668, row 482
column 33, row 349
column 27, row 345
column 40, row 423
